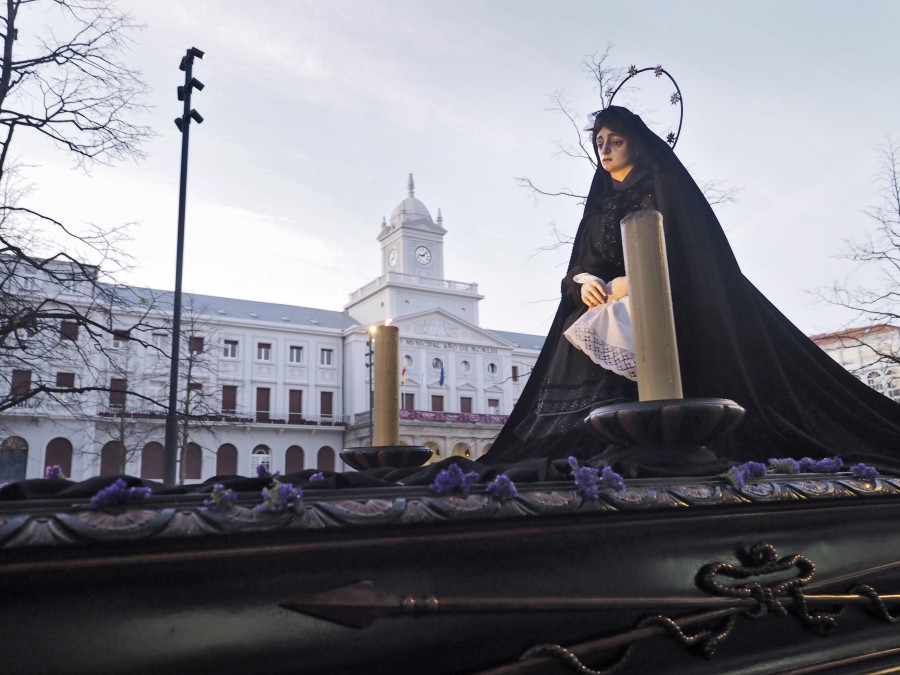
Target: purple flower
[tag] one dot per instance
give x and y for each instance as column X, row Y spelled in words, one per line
column 502, row 488
column 735, row 476
column 806, row 465
column 452, row 478
column 755, row 469
column 220, row 499
column 54, row 471
column 832, row 465
column 262, row 471
column 317, row 477
column 279, row 496
column 585, row 480
column 738, row 475
column 611, row 479
column 118, row 494
column 864, row 471
column 786, row 465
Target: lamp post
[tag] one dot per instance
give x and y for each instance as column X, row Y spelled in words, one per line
column 184, row 124
column 370, row 353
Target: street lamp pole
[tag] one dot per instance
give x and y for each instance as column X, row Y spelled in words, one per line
column 184, row 124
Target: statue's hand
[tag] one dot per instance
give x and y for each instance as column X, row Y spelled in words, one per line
column 618, row 288
column 594, row 292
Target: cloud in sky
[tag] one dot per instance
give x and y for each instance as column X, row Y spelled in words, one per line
column 317, row 111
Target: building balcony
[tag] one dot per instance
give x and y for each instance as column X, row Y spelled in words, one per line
column 446, row 417
column 413, row 280
column 236, row 416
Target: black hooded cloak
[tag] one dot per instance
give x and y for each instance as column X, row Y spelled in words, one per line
column 732, row 342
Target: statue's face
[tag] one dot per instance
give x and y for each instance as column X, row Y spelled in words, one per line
column 614, row 155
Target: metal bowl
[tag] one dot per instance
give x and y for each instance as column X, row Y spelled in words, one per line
column 397, row 456
column 672, row 422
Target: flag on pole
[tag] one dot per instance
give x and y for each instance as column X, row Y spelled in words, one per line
column 403, row 376
column 442, row 375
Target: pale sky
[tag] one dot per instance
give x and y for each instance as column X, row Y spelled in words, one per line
column 316, row 112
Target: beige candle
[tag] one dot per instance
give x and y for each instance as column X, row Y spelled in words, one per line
column 386, row 405
column 653, row 324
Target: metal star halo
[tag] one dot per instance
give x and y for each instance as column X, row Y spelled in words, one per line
column 676, row 97
column 659, row 70
column 632, row 71
column 670, row 139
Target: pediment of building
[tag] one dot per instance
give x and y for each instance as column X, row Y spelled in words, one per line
column 443, row 328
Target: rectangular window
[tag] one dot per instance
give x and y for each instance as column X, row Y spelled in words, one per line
column 68, row 330
column 295, row 406
column 161, row 341
column 65, row 380
column 465, row 404
column 159, row 391
column 120, row 339
column 21, row 382
column 326, row 357
column 437, row 403
column 262, row 404
column 117, row 387
column 229, row 349
column 326, row 403
column 29, row 284
column 409, row 401
column 263, row 351
column 494, row 406
column 229, row 399
column 296, row 354
column 196, row 344
column 515, row 373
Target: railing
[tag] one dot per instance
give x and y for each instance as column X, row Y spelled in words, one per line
column 413, row 280
column 430, row 416
column 234, row 417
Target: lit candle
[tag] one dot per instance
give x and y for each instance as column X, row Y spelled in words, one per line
column 386, row 406
column 653, row 324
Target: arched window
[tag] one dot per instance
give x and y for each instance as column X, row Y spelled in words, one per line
column 873, row 379
column 193, row 462
column 153, row 460
column 59, row 453
column 226, row 460
column 325, row 459
column 260, row 455
column 892, row 377
column 13, row 459
column 293, row 459
column 112, row 458
column 462, row 450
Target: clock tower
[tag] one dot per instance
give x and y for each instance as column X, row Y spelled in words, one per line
column 412, row 269
column 411, row 242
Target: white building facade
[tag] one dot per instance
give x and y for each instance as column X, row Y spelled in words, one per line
column 286, row 386
column 871, row 353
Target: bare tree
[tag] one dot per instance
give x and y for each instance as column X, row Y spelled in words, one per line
column 876, row 301
column 66, row 85
column 199, row 408
column 605, row 77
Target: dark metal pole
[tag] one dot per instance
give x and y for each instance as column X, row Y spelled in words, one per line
column 171, row 452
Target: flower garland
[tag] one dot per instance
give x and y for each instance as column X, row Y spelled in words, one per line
column 118, row 494
column 738, row 475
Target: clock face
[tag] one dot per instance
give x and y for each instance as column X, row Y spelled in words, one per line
column 423, row 255
column 392, row 258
